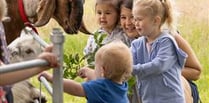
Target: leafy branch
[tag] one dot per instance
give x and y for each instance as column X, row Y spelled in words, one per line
column 73, row 62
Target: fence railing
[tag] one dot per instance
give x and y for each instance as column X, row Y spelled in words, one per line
column 57, row 38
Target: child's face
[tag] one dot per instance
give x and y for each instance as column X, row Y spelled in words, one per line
column 126, row 20
column 106, row 16
column 144, row 23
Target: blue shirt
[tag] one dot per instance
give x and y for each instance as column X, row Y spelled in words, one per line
column 105, row 91
column 158, row 71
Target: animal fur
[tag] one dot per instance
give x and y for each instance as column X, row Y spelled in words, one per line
column 25, row 48
column 25, row 92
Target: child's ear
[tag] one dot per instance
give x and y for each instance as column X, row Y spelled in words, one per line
column 157, row 20
column 103, row 71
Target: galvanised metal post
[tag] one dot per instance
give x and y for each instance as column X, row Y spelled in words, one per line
column 57, row 39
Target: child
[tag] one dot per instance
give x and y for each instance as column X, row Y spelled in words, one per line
column 126, row 20
column 113, row 67
column 192, row 69
column 107, row 14
column 156, row 56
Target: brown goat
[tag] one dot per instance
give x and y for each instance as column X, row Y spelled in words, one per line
column 68, row 13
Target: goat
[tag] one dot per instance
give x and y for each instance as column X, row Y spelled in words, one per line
column 68, row 13
column 25, row 48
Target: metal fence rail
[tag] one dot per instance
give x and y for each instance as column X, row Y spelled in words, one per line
column 46, row 84
column 23, row 65
column 57, row 39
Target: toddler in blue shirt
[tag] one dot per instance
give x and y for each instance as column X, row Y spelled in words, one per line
column 113, row 66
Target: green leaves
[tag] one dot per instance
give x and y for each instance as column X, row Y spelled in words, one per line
column 90, row 58
column 131, row 83
column 73, row 62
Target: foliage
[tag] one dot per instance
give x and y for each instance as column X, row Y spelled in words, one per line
column 90, row 58
column 73, row 62
column 131, row 83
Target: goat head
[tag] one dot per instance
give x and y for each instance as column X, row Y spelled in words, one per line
column 68, row 14
column 24, row 48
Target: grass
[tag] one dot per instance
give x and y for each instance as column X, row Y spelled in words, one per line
column 193, row 25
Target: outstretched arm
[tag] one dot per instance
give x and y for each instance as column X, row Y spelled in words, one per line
column 192, row 69
column 70, row 86
column 13, row 77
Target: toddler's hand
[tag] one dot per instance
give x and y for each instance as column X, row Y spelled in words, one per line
column 83, row 72
column 46, row 75
column 87, row 73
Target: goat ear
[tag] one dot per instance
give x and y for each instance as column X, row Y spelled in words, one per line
column 44, row 11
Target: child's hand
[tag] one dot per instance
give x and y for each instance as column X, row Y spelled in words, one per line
column 87, row 73
column 82, row 72
column 48, row 48
column 50, row 57
column 46, row 75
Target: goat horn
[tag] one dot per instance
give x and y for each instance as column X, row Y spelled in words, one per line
column 45, row 11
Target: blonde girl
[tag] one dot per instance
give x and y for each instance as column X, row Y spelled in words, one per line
column 158, row 60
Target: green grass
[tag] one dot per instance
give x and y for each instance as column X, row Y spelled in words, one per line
column 194, row 24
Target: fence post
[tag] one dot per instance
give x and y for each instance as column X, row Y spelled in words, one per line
column 57, row 39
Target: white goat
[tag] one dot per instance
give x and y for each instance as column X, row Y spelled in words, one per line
column 25, row 48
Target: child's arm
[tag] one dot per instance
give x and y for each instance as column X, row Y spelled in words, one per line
column 71, row 87
column 165, row 58
column 192, row 68
column 13, row 77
